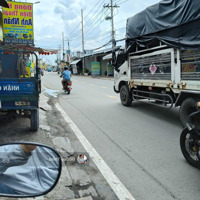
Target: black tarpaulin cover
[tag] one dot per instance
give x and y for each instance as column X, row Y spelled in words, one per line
column 174, row 22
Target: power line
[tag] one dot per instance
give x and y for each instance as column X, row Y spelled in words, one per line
column 93, row 27
column 88, row 22
column 75, row 28
column 84, row 18
column 94, row 22
column 93, row 9
column 87, row 30
column 97, row 40
column 104, row 33
column 102, row 46
column 122, row 2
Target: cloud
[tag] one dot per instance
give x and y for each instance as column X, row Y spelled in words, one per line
column 52, row 17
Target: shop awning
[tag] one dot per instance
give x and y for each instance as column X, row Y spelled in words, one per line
column 28, row 48
column 47, row 51
column 108, row 57
column 75, row 62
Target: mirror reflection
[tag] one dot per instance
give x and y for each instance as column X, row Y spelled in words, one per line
column 27, row 169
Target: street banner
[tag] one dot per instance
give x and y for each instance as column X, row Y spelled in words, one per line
column 18, row 23
column 96, row 68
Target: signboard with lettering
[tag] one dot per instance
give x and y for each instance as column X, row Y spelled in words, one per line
column 13, row 87
column 18, row 23
column 96, row 68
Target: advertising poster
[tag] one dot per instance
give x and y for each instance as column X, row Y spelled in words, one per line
column 96, row 68
column 18, row 23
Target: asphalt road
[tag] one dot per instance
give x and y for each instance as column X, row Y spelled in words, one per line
column 140, row 143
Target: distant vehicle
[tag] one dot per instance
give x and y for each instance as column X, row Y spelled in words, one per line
column 49, row 69
column 54, row 69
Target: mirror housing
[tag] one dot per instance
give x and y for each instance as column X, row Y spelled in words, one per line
column 28, row 169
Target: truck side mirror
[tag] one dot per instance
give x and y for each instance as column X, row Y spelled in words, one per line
column 114, row 58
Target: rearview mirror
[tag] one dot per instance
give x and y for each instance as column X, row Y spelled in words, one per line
column 28, row 169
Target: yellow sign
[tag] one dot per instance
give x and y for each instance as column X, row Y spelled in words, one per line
column 18, row 23
column 28, row 72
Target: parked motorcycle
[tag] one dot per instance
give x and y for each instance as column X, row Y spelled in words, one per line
column 68, row 86
column 190, row 140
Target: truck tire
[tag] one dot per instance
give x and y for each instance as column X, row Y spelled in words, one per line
column 187, row 107
column 34, row 120
column 125, row 96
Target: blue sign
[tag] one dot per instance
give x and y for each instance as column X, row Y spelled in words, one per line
column 17, row 87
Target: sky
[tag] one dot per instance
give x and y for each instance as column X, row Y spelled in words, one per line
column 55, row 18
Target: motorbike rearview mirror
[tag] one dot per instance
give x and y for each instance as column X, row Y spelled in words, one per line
column 28, row 169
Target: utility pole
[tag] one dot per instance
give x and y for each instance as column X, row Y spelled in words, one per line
column 68, row 50
column 59, row 58
column 111, row 6
column 63, row 46
column 83, row 63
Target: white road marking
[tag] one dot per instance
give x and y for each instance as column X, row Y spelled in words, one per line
column 120, row 190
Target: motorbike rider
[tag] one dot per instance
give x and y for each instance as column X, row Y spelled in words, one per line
column 66, row 74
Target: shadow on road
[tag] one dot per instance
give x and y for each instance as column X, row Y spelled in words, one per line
column 170, row 115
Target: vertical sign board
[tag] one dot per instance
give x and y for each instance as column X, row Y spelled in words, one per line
column 18, row 23
column 110, row 70
column 96, row 68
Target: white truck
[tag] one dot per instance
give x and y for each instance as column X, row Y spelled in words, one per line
column 160, row 63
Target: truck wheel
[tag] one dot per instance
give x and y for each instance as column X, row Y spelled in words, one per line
column 187, row 107
column 34, row 120
column 125, row 96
